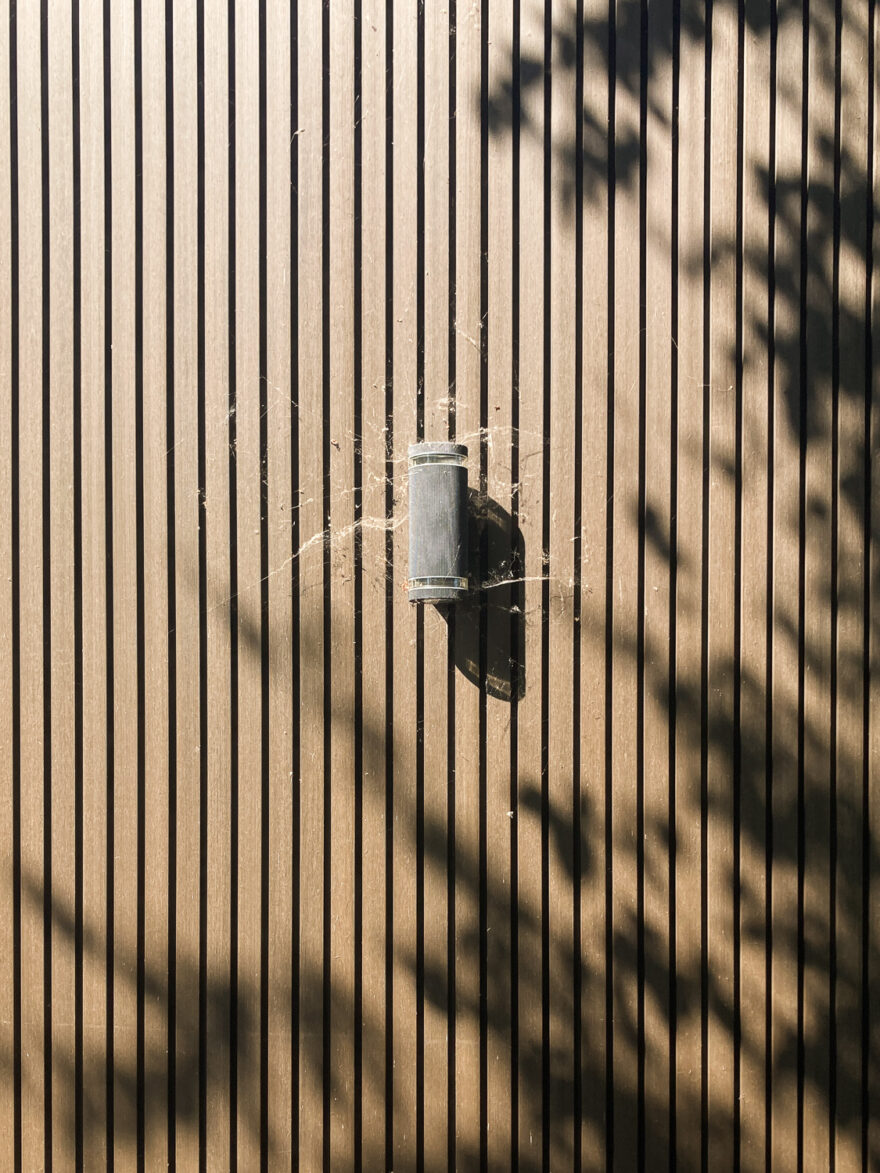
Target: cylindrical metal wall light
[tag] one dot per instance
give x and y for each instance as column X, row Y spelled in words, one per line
column 438, row 533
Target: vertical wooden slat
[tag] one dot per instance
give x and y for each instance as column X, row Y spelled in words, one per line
column 754, row 783
column 689, row 511
column 31, row 618
column 280, row 749
column 785, row 457
column 59, row 518
column 656, row 522
column 95, row 811
column 215, row 517
column 848, row 898
column 500, row 680
column 183, row 283
column 626, row 766
column 375, row 1109
column 248, row 1091
column 561, row 391
column 530, row 1092
column 468, row 630
column 436, row 626
column 819, row 781
column 124, row 591
column 342, row 518
column 313, row 1078
column 403, row 927
column 155, row 539
column 595, row 663
column 718, row 830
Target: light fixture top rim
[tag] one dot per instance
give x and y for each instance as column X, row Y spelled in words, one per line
column 437, row 448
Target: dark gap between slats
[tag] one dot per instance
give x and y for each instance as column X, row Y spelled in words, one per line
column 640, row 589
column 770, row 593
column 232, row 436
column 15, row 536
column 108, row 544
column 672, row 689
column 577, row 600
column 358, row 276
column 483, row 653
column 547, row 351
column 170, row 463
column 546, row 1106
column 450, row 645
column 609, row 599
column 420, row 614
column 704, row 593
column 389, row 583
column 802, row 564
column 264, row 608
column 870, row 552
column 737, row 594
column 77, row 596
column 517, row 571
column 203, row 586
column 296, row 763
column 326, row 579
column 47, row 588
column 835, row 531
column 139, row 571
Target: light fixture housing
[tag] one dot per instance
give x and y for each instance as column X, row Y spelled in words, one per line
column 438, row 522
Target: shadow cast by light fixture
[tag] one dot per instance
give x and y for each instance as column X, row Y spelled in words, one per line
column 489, row 623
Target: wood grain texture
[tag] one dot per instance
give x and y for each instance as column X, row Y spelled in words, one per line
column 434, row 330
column 581, row 874
column 32, row 621
column 531, row 1073
column 313, row 1076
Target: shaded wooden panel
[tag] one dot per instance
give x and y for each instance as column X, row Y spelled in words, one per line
column 592, row 876
column 627, row 765
column 434, row 990
column 279, row 501
column 561, row 408
column 755, row 505
column 60, row 519
column 580, row 873
column 218, row 924
column 315, row 652
column 657, row 520
column 341, row 519
column 529, row 976
column 98, row 718
column 787, row 667
column 820, row 507
column 720, row 665
column 406, row 635
column 185, row 393
column 689, row 509
column 851, row 451
column 155, row 812
column 248, row 1088
column 374, row 1104
column 32, row 1045
column 502, row 622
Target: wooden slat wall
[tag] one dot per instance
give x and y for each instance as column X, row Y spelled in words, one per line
column 584, row 874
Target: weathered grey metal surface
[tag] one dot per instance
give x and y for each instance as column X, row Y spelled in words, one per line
column 438, row 484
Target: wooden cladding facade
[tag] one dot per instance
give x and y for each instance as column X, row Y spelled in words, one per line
column 580, row 874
